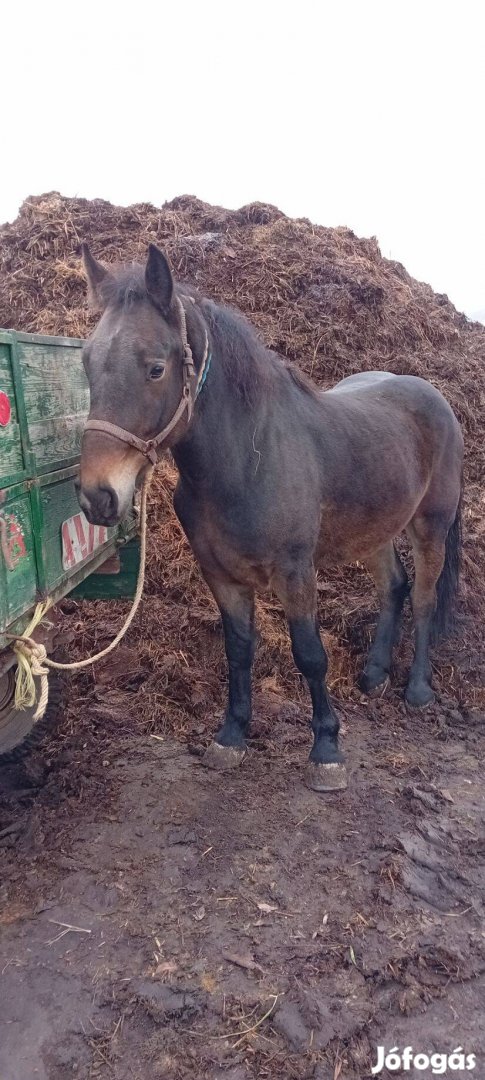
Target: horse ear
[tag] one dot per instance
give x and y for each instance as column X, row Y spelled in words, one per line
column 96, row 274
column 158, row 279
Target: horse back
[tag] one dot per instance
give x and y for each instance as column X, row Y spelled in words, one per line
column 382, row 398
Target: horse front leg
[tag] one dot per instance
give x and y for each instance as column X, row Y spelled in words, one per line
column 297, row 590
column 236, row 605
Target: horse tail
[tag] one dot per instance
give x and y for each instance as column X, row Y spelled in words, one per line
column 448, row 581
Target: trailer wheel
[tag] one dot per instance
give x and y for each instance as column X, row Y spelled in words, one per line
column 17, row 728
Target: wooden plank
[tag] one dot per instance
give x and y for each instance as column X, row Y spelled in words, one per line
column 56, row 440
column 47, row 339
column 11, row 456
column 18, row 572
column 56, row 400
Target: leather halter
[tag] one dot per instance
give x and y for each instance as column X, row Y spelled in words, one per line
column 192, row 383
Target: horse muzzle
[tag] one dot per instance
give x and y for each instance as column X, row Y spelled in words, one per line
column 99, row 504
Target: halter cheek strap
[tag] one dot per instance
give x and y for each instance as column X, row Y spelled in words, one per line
column 192, row 384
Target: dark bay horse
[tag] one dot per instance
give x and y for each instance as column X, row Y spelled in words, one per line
column 276, row 479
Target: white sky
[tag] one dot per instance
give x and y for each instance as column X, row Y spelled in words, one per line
column 368, row 114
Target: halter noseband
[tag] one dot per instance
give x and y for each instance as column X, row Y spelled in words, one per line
column 192, row 384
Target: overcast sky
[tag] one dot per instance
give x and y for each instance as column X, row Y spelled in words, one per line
column 355, row 112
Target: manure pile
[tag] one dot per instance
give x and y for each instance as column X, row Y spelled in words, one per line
column 332, row 304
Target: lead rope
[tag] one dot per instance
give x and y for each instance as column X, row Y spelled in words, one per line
column 33, row 661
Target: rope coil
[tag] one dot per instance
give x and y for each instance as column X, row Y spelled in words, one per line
column 32, row 659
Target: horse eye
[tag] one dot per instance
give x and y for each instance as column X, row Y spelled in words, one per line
column 157, row 371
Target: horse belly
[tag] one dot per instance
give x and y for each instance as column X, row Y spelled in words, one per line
column 350, row 533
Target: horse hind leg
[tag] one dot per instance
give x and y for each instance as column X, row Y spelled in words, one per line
column 392, row 588
column 428, row 539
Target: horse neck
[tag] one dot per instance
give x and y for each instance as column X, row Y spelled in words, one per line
column 220, row 429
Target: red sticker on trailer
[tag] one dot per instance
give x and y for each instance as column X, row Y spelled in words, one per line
column 5, row 410
column 12, row 540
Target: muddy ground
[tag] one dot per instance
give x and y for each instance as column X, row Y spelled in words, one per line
column 154, row 912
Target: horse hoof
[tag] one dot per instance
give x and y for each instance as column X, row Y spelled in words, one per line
column 419, row 696
column 223, row 757
column 327, row 776
column 374, row 687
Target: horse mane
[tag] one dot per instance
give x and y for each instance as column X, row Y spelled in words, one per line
column 247, row 362
column 251, row 366
column 301, row 380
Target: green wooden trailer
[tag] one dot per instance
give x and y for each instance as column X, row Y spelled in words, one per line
column 47, row 547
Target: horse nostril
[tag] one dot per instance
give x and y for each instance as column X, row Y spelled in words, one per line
column 107, row 501
column 82, row 498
